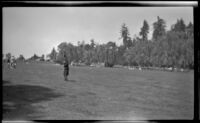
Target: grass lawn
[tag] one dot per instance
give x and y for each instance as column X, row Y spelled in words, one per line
column 38, row 91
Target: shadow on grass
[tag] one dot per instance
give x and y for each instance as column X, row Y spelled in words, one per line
column 18, row 100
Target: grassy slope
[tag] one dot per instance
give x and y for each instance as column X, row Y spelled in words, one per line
column 97, row 93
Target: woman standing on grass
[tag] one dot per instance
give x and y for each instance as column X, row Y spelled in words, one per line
column 66, row 68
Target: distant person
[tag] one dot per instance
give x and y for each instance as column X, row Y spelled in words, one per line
column 13, row 62
column 8, row 62
column 66, row 68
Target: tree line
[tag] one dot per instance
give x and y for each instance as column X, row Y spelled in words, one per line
column 167, row 48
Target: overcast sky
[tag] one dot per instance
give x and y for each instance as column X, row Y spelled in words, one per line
column 37, row 30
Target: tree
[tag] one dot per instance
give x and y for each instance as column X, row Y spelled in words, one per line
column 21, row 58
column 159, row 28
column 61, row 52
column 129, row 42
column 179, row 26
column 125, row 36
column 8, row 55
column 88, row 57
column 190, row 29
column 34, row 57
column 144, row 31
column 92, row 44
column 110, row 54
column 100, row 52
column 42, row 57
column 87, row 47
column 93, row 52
column 69, row 50
column 80, row 51
column 53, row 54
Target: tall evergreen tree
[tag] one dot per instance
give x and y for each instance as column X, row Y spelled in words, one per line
column 125, row 35
column 144, row 31
column 179, row 26
column 159, row 28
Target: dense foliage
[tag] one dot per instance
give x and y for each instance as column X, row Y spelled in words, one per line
column 167, row 48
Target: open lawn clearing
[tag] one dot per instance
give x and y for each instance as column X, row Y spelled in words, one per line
column 38, row 91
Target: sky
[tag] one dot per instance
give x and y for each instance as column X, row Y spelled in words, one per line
column 36, row 30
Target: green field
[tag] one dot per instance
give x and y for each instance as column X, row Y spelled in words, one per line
column 38, row 91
